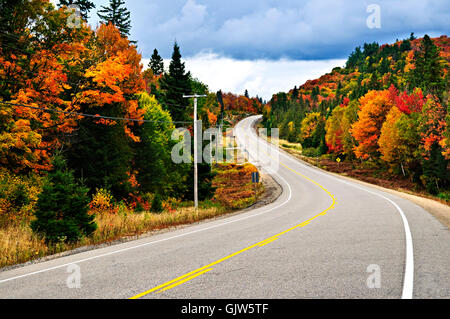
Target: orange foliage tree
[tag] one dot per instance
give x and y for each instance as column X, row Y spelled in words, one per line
column 36, row 62
column 374, row 107
column 432, row 125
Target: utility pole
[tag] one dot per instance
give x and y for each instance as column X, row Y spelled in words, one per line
column 195, row 96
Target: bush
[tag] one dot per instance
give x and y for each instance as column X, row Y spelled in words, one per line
column 102, row 200
column 157, row 204
column 62, row 207
column 311, row 152
column 18, row 196
column 444, row 196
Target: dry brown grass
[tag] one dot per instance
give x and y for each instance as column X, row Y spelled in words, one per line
column 235, row 189
column 18, row 244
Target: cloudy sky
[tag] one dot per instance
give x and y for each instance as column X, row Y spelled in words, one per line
column 267, row 46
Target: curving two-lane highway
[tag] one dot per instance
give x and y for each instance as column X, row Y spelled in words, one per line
column 324, row 237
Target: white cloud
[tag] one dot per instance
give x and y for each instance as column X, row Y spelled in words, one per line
column 259, row 77
column 273, row 29
column 191, row 17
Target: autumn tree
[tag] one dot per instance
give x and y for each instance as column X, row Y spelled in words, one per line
column 398, row 138
column 445, row 143
column 432, row 126
column 116, row 14
column 156, row 171
column 18, row 142
column 374, row 107
column 312, row 130
column 334, row 131
column 100, row 150
column 42, row 57
column 350, row 116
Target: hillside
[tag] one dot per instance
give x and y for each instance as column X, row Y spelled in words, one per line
column 386, row 109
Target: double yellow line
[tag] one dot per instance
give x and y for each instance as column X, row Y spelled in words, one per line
column 203, row 270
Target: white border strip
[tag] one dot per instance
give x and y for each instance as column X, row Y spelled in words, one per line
column 408, row 279
column 156, row 241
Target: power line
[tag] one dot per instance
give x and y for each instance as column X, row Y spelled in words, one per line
column 93, row 115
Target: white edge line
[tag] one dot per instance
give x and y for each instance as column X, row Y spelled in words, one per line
column 409, row 265
column 156, row 241
column 408, row 279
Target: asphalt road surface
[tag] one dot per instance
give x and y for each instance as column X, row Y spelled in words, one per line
column 324, row 237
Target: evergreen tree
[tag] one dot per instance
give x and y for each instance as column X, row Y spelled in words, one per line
column 117, row 15
column 62, row 207
column 157, row 204
column 84, row 5
column 295, row 93
column 435, row 170
column 175, row 84
column 246, row 94
column 156, row 63
column 101, row 154
column 428, row 72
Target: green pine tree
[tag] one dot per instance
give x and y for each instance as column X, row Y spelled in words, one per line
column 175, row 84
column 435, row 174
column 428, row 73
column 62, row 207
column 156, row 63
column 246, row 94
column 295, row 93
column 117, row 15
column 84, row 5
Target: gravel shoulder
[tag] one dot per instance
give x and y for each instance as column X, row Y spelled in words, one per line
column 440, row 211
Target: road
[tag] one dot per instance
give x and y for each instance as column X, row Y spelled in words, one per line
column 324, row 237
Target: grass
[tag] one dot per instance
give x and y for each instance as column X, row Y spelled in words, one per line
column 235, row 189
column 18, row 244
column 369, row 172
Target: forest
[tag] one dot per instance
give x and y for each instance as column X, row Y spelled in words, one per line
column 86, row 132
column 386, row 111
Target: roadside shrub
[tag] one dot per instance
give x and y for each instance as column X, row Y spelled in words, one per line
column 18, row 196
column 444, row 196
column 157, row 206
column 102, row 200
column 311, row 152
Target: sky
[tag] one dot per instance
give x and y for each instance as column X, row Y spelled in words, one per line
column 267, row 46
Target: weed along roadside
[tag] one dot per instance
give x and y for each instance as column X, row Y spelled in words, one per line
column 116, row 223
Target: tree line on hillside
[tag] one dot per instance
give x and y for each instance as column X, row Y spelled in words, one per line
column 388, row 106
column 78, row 113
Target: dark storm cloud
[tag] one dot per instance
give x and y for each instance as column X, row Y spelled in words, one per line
column 274, row 29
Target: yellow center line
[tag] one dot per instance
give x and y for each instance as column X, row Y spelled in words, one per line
column 267, row 242
column 184, row 280
column 200, row 271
